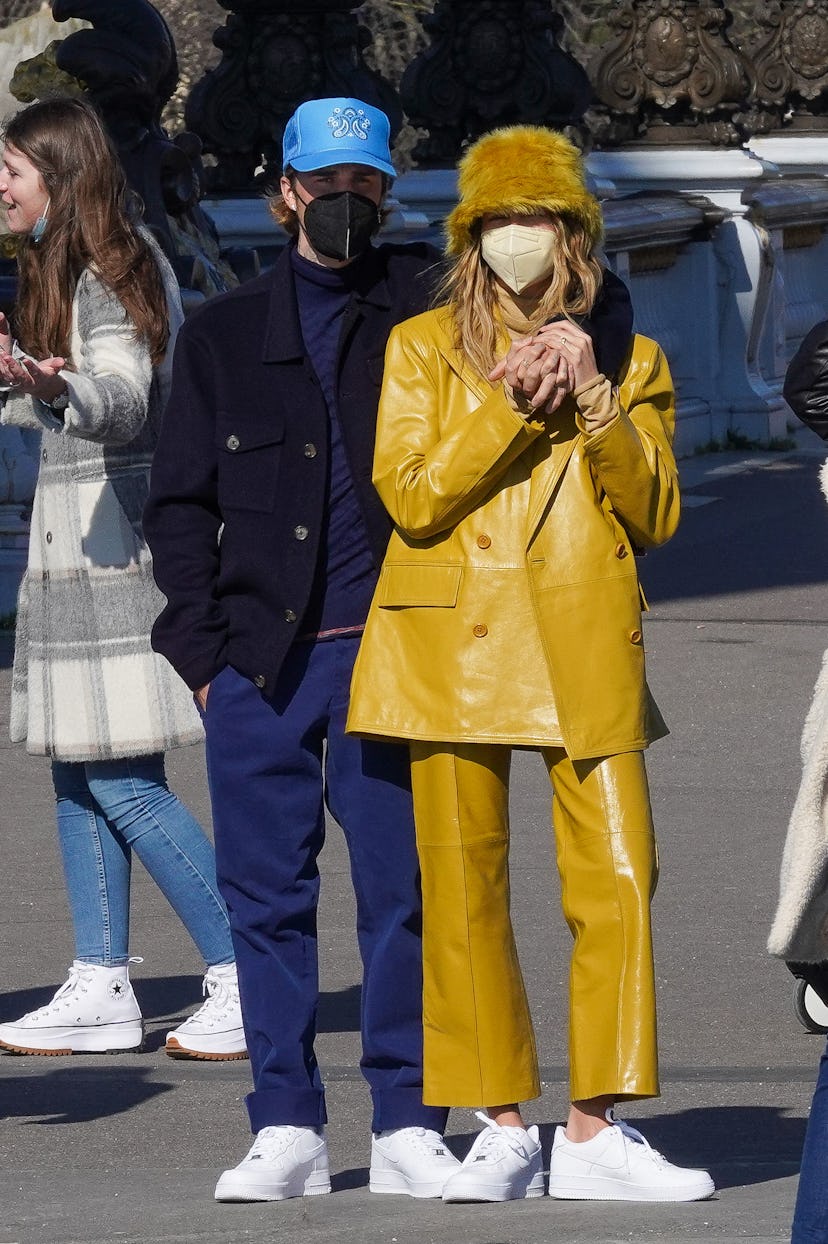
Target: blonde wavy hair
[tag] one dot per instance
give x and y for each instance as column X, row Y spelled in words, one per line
column 470, row 291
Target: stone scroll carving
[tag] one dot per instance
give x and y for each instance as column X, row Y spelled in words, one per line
column 275, row 54
column 792, row 61
column 490, row 63
column 670, row 74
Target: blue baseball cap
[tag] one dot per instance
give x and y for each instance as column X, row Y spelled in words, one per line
column 323, row 132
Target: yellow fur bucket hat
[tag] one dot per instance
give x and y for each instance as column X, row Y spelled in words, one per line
column 523, row 169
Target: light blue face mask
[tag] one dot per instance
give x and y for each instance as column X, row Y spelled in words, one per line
column 39, row 227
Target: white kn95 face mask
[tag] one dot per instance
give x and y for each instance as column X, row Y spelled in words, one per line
column 519, row 254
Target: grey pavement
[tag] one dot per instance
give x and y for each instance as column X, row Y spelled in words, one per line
column 100, row 1148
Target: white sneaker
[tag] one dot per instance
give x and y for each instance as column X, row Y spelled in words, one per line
column 413, row 1160
column 93, row 1012
column 619, row 1165
column 215, row 1032
column 503, row 1164
column 283, row 1162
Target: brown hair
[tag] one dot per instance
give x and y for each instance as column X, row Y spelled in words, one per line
column 470, row 289
column 88, row 226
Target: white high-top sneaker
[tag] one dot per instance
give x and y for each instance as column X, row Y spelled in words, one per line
column 93, row 1012
column 215, row 1032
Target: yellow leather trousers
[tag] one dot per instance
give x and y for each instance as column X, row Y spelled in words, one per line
column 479, row 1041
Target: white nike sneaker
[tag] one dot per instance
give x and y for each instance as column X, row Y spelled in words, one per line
column 93, row 1012
column 283, row 1162
column 215, row 1032
column 411, row 1160
column 503, row 1164
column 619, row 1165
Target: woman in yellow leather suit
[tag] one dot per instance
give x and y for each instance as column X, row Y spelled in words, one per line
column 521, row 479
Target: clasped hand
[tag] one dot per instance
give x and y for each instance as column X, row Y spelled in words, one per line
column 38, row 379
column 545, row 367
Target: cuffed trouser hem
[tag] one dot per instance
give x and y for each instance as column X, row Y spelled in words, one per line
column 404, row 1107
column 274, row 1108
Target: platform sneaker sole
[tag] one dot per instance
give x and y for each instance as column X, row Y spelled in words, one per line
column 175, row 1049
column 108, row 1039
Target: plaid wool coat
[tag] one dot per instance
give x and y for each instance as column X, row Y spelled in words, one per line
column 86, row 684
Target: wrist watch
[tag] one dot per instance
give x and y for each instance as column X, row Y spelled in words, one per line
column 58, row 404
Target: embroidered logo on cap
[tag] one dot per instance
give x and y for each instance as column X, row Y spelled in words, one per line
column 349, row 123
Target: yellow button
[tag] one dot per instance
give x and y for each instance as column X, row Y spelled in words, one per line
column 484, row 541
column 620, row 550
column 635, row 637
column 480, row 630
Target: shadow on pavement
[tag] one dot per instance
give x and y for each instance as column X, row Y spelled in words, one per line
column 76, row 1094
column 766, row 527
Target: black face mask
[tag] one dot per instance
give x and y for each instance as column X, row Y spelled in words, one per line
column 341, row 225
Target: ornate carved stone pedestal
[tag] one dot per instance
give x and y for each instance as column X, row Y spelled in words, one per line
column 275, row 54
column 669, row 75
column 490, row 63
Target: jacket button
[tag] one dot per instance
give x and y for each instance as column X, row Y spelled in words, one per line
column 45, row 456
column 480, row 630
column 232, row 442
column 260, row 680
column 48, row 537
column 484, row 541
column 289, row 615
column 300, row 531
column 635, row 637
column 310, row 450
column 620, row 550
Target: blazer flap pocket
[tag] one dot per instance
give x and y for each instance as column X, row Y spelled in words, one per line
column 437, row 586
column 236, row 434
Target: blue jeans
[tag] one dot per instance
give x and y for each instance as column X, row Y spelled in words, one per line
column 271, row 762
column 105, row 810
column 810, row 1224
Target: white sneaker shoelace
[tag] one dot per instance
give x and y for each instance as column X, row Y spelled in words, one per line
column 272, row 1142
column 76, row 982
column 494, row 1143
column 221, row 999
column 62, row 997
column 632, row 1134
column 424, row 1140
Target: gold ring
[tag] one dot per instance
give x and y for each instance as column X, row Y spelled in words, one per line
column 563, row 341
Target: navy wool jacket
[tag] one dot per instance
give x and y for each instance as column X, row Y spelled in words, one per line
column 240, row 475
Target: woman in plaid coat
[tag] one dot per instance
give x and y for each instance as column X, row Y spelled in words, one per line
column 92, row 371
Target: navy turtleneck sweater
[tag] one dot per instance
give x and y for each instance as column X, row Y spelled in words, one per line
column 345, row 572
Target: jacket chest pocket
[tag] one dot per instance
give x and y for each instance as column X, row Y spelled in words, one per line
column 412, row 585
column 248, row 457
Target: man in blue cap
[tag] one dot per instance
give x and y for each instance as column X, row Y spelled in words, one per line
column 267, row 538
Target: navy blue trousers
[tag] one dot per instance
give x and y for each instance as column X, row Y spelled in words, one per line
column 270, row 763
column 810, row 1224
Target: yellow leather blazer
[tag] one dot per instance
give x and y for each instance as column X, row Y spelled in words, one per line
column 511, row 567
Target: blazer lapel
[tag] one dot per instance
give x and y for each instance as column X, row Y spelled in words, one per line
column 554, row 449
